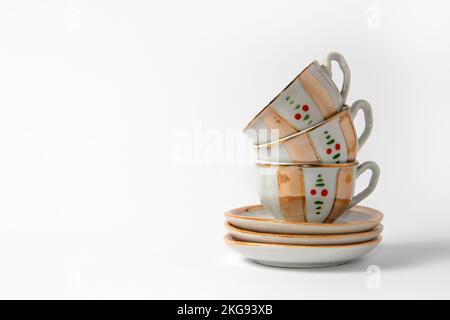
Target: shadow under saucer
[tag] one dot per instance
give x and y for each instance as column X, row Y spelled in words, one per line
column 389, row 256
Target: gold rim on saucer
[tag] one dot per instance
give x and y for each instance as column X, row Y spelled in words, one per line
column 377, row 230
column 229, row 240
column 376, row 217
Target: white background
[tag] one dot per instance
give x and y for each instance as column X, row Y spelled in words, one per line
column 95, row 94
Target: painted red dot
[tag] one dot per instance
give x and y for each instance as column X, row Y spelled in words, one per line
column 313, row 191
column 298, row 116
column 337, row 146
column 324, row 192
column 329, row 151
column 305, row 107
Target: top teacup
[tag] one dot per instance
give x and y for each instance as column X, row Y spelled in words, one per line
column 309, row 99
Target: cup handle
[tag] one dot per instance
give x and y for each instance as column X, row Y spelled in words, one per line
column 372, row 166
column 334, row 56
column 368, row 119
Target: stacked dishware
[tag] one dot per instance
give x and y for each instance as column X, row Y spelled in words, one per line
column 306, row 146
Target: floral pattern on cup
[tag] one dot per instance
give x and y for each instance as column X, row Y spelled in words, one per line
column 332, row 141
column 308, row 193
column 309, row 99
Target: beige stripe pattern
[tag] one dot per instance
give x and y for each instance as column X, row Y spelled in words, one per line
column 291, row 195
column 272, row 120
column 318, row 93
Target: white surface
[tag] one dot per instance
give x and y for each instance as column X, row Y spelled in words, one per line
column 91, row 92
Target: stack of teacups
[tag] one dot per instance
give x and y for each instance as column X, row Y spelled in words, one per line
column 306, row 146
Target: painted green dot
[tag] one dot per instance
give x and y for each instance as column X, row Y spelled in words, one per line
column 326, row 132
column 320, row 176
column 287, row 98
column 317, row 212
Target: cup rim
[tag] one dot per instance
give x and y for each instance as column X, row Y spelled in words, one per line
column 306, row 165
column 315, row 62
column 345, row 109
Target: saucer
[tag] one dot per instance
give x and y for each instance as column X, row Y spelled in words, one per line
column 255, row 218
column 299, row 256
column 297, row 239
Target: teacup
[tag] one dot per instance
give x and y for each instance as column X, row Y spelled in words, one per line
column 312, row 193
column 332, row 141
column 309, row 99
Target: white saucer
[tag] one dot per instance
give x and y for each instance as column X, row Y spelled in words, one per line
column 279, row 238
column 298, row 256
column 255, row 218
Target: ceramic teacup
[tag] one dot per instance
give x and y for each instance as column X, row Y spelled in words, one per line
column 312, row 193
column 332, row 141
column 309, row 99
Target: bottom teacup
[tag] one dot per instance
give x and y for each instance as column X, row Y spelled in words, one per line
column 317, row 193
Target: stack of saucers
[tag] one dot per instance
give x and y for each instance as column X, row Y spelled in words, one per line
column 306, row 146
